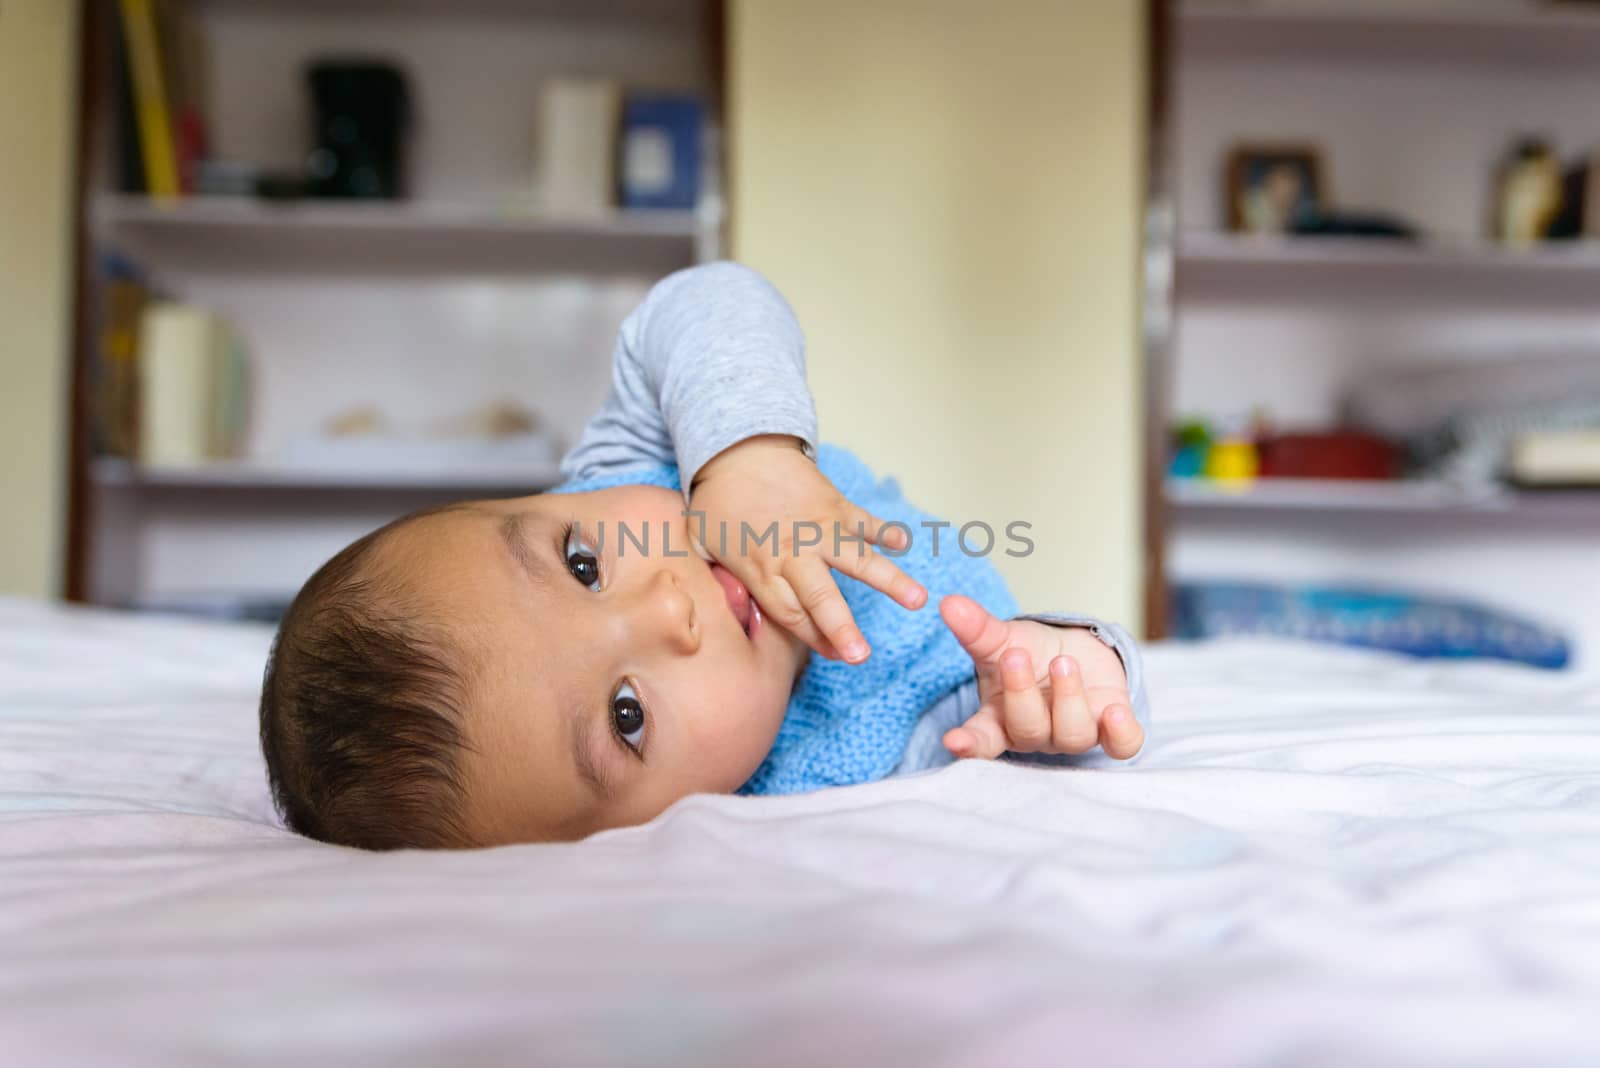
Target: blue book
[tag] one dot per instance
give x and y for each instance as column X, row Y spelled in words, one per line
column 660, row 151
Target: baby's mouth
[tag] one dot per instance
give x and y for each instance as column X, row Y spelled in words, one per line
column 740, row 602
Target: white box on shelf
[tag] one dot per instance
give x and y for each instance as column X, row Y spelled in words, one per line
column 1555, row 458
column 577, row 166
column 191, row 386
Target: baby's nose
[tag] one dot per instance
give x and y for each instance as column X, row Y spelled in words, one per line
column 667, row 615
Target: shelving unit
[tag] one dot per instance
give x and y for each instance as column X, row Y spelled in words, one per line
column 420, row 312
column 1410, row 109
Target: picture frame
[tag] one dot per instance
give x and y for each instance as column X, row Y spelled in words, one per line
column 1269, row 187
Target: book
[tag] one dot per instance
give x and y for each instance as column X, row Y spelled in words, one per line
column 129, row 156
column 192, row 386
column 115, row 419
column 661, row 151
column 577, row 144
column 150, row 93
column 184, row 58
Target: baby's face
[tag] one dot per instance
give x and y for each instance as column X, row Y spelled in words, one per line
column 606, row 683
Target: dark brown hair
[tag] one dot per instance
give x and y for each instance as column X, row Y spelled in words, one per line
column 361, row 713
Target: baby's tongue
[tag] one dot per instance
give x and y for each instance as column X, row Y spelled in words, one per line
column 738, row 596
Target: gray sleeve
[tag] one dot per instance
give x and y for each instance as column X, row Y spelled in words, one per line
column 1122, row 643
column 926, row 749
column 713, row 356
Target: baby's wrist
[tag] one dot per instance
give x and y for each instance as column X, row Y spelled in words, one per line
column 1082, row 643
column 750, row 450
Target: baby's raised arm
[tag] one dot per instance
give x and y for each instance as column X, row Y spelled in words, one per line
column 712, row 357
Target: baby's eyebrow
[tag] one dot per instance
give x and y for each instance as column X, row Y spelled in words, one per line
column 514, row 532
column 583, row 754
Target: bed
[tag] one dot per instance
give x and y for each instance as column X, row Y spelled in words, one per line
column 1326, row 857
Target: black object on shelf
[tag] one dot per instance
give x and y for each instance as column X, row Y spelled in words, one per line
column 1579, row 216
column 1351, row 224
column 362, row 114
column 129, row 154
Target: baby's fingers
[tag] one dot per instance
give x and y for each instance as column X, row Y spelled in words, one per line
column 781, row 602
column 890, row 536
column 825, row 608
column 1072, row 725
column 1027, row 719
column 864, row 565
column 980, row 634
column 1120, row 734
column 981, row 737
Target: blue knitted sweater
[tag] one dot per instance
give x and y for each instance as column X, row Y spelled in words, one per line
column 850, row 724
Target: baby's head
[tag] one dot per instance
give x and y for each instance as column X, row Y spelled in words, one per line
column 509, row 671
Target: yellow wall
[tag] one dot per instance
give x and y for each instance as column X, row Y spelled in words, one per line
column 949, row 193
column 38, row 46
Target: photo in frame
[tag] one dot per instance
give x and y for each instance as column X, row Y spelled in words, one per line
column 1273, row 189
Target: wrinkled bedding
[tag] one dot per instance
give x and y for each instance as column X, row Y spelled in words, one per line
column 1324, row 857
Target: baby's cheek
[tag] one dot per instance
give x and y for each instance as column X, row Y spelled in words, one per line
column 737, row 734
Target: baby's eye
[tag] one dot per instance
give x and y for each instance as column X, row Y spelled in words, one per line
column 627, row 717
column 582, row 562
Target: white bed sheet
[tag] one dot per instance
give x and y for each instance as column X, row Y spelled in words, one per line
column 1325, row 857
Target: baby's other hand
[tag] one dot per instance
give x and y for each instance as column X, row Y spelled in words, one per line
column 769, row 481
column 1043, row 689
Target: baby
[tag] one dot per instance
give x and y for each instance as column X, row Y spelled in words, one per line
column 546, row 667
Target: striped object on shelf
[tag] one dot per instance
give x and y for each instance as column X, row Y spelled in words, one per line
column 1393, row 621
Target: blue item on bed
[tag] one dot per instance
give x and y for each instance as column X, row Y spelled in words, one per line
column 1398, row 622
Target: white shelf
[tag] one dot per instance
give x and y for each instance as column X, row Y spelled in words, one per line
column 1205, row 249
column 257, row 475
column 447, row 220
column 393, row 235
column 1261, row 265
column 1515, row 33
column 644, row 10
column 1399, row 497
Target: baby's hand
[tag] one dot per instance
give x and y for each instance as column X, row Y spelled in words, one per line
column 768, row 481
column 1043, row 689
